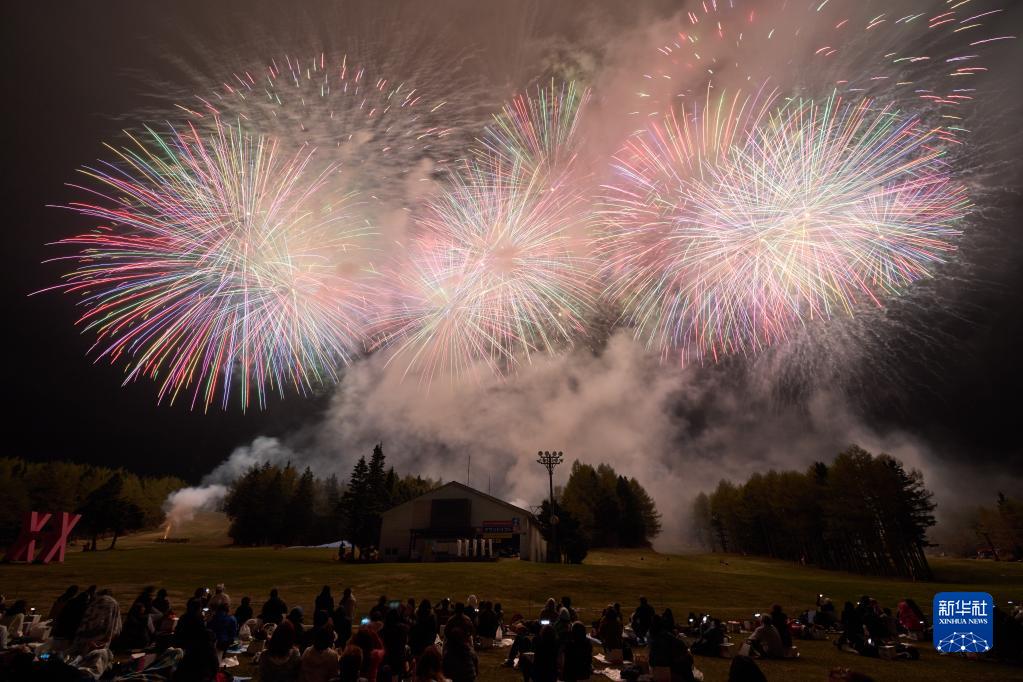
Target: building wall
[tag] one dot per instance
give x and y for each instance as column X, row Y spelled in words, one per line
column 398, row 522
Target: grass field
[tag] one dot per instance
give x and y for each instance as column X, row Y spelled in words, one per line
column 734, row 589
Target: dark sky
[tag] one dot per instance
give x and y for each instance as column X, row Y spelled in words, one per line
column 71, row 71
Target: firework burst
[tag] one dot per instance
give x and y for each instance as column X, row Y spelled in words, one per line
column 218, row 264
column 733, row 224
column 492, row 276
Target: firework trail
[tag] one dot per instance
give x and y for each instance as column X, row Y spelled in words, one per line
column 218, row 265
column 722, row 238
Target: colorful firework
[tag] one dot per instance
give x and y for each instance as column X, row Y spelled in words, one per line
column 537, row 132
column 722, row 237
column 492, row 276
column 376, row 130
column 218, row 264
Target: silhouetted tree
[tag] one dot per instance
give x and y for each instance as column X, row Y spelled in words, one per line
column 106, row 510
column 571, row 540
column 862, row 513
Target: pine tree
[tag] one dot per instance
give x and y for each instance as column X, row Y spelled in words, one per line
column 647, row 510
column 354, row 502
column 631, row 533
column 300, row 512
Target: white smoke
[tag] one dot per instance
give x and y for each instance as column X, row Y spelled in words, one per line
column 678, row 431
column 182, row 505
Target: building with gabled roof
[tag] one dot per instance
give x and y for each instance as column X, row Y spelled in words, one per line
column 454, row 522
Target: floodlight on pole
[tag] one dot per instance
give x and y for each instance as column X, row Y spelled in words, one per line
column 551, row 459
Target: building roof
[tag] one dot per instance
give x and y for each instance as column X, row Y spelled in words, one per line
column 471, row 491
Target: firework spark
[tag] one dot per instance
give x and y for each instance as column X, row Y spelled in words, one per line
column 722, row 238
column 930, row 57
column 218, row 264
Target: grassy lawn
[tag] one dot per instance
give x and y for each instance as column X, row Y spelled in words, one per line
column 731, row 589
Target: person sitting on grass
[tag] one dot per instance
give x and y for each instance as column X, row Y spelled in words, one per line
column 367, row 639
column 243, row 614
column 190, row 632
column 219, row 597
column 487, row 622
column 429, row 667
column 138, row 629
column 408, row 612
column 324, row 601
column 200, row 662
column 224, row 627
column 379, row 610
column 14, row 619
column 609, row 630
column 578, row 655
column 765, row 641
column 342, row 623
column 460, row 662
column 781, row 622
column 297, row 618
column 320, row 661
column 274, row 609
column 281, row 661
column 161, row 603
column 911, row 618
column 642, row 618
column 472, row 608
column 566, row 603
column 443, row 611
column 544, row 666
column 459, row 620
column 394, row 635
column 350, row 664
column 100, row 625
column 424, row 630
column 347, row 604
column 710, row 642
column 525, row 635
column 663, row 646
column 563, row 624
column 550, row 611
column 70, row 618
column 62, row 601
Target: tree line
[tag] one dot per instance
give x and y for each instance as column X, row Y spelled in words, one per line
column 999, row 528
column 280, row 505
column 598, row 508
column 862, row 513
column 111, row 501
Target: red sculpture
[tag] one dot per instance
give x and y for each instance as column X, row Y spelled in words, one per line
column 52, row 542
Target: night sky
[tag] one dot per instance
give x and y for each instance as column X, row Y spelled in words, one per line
column 73, row 71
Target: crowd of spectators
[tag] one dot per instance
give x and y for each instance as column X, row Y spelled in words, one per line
column 85, row 635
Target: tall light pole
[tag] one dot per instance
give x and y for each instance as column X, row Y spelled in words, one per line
column 550, row 460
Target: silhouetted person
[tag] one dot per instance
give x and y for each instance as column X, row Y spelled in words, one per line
column 273, row 609
column 244, row 611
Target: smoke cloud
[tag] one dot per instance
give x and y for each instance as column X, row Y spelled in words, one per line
column 679, row 431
